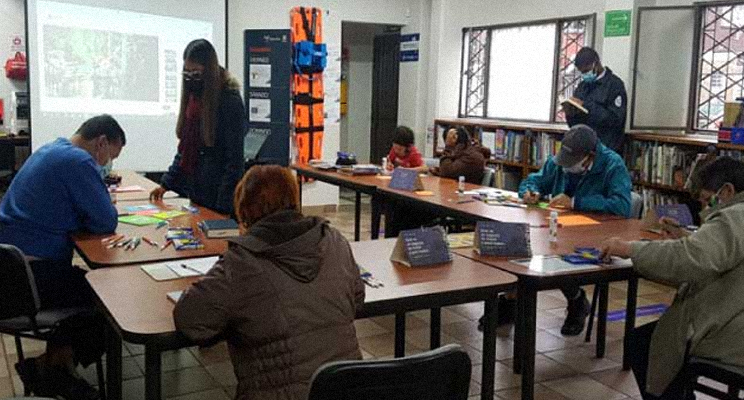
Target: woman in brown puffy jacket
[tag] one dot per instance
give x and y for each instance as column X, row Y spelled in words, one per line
column 461, row 157
column 284, row 295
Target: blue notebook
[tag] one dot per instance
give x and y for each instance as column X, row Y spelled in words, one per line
column 420, row 247
column 406, row 179
column 502, row 239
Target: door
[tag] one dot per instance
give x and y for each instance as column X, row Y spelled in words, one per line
column 384, row 94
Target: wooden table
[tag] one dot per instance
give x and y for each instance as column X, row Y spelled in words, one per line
column 139, row 312
column 131, row 178
column 96, row 255
column 532, row 281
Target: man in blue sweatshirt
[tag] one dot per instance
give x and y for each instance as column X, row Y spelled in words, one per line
column 585, row 176
column 58, row 191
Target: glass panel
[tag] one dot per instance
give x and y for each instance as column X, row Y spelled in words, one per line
column 720, row 77
column 473, row 83
column 521, row 72
column 573, row 38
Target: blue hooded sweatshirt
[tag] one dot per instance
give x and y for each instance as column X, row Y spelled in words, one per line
column 58, row 191
column 604, row 189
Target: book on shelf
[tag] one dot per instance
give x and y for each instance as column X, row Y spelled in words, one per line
column 660, row 164
column 544, row 146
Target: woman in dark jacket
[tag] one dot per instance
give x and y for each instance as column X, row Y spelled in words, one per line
column 211, row 129
column 284, row 295
column 461, row 158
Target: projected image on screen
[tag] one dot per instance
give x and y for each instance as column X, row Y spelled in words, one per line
column 100, row 64
column 102, row 60
column 118, row 57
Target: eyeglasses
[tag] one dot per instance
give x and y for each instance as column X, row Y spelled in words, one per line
column 192, row 75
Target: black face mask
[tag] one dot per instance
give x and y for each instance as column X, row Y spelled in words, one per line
column 195, row 87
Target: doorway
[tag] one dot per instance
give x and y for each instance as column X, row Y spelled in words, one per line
column 369, row 69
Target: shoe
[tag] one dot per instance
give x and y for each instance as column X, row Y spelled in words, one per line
column 72, row 387
column 29, row 374
column 507, row 311
column 578, row 310
column 34, row 380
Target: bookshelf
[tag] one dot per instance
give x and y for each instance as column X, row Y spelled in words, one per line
column 657, row 162
column 520, row 162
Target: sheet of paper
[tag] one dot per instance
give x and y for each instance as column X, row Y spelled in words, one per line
column 424, row 193
column 203, row 265
column 138, row 220
column 159, row 272
column 175, row 296
column 260, row 75
column 129, row 189
column 461, row 240
column 550, row 264
column 576, row 220
column 259, row 110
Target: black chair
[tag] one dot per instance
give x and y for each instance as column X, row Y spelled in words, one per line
column 697, row 369
column 20, row 313
column 441, row 374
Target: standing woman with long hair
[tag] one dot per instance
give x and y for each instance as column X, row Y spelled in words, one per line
column 211, row 129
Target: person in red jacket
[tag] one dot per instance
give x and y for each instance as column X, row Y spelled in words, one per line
column 403, row 153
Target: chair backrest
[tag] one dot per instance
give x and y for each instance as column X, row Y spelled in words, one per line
column 488, row 174
column 18, row 295
column 439, row 374
column 694, row 370
column 636, row 205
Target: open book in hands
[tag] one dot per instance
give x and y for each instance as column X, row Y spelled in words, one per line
column 572, row 107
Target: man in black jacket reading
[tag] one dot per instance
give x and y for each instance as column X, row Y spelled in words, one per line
column 602, row 94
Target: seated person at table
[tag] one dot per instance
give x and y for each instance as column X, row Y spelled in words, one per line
column 584, row 176
column 284, row 296
column 403, row 153
column 706, row 320
column 460, row 158
column 58, row 191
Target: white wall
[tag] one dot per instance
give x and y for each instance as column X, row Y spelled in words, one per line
column 11, row 23
column 359, row 117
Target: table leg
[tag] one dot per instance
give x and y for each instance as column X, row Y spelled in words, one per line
column 435, row 333
column 489, row 348
column 519, row 330
column 400, row 335
column 113, row 364
column 357, row 215
column 630, row 318
column 528, row 344
column 376, row 216
column 604, row 293
column 152, row 374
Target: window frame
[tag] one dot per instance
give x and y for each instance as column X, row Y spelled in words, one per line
column 558, row 24
column 699, row 9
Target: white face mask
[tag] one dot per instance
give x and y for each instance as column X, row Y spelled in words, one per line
column 577, row 168
column 106, row 169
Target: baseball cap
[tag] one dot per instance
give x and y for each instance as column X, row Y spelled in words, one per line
column 579, row 141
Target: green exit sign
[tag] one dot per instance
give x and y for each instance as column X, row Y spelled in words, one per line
column 617, row 23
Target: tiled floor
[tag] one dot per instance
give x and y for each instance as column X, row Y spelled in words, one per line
column 565, row 367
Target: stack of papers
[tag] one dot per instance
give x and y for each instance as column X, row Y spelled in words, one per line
column 180, row 268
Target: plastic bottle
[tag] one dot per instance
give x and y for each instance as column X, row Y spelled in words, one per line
column 461, row 184
column 384, row 165
column 553, row 226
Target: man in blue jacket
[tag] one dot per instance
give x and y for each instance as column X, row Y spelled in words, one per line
column 603, row 94
column 584, row 176
column 58, row 191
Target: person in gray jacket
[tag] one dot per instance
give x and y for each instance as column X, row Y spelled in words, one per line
column 706, row 319
column 284, row 295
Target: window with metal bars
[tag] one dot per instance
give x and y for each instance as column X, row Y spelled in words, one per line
column 720, row 76
column 495, row 59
